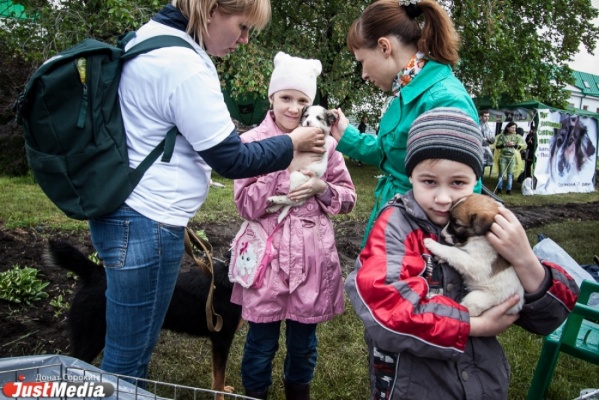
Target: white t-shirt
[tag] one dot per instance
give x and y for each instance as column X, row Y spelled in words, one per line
column 168, row 87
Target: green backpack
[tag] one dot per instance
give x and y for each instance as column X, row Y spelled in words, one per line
column 74, row 134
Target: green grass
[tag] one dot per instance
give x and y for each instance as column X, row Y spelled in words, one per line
column 25, row 205
column 220, row 207
column 341, row 372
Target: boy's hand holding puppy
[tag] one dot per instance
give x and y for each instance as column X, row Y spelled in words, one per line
column 508, row 237
column 495, row 320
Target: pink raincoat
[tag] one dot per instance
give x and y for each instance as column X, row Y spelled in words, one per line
column 303, row 283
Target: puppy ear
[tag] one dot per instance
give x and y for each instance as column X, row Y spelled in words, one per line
column 331, row 117
column 587, row 145
column 481, row 223
column 304, row 112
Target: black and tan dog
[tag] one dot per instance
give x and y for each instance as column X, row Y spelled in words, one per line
column 488, row 277
column 186, row 312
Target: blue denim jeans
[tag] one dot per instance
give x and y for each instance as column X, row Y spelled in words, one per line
column 141, row 259
column 261, row 344
column 506, row 166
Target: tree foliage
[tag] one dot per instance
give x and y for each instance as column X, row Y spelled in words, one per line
column 56, row 25
column 513, row 50
column 309, row 29
column 518, row 50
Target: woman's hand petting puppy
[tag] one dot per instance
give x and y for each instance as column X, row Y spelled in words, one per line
column 495, row 320
column 508, row 237
column 314, row 186
column 306, row 138
column 340, row 126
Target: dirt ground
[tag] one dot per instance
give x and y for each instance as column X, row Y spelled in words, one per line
column 34, row 329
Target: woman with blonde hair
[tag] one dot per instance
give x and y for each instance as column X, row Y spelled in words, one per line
column 141, row 243
column 406, row 48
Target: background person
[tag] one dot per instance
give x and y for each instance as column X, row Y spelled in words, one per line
column 408, row 50
column 531, row 139
column 141, row 243
column 422, row 343
column 303, row 284
column 508, row 144
column 362, row 126
column 488, row 137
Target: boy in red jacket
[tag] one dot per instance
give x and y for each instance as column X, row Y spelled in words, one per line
column 422, row 343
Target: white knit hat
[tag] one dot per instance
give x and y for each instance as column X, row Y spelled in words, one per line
column 294, row 73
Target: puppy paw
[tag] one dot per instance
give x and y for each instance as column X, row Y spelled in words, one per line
column 473, row 309
column 433, row 246
column 281, row 200
column 429, row 242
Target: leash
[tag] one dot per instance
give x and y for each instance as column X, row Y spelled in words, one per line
column 191, row 240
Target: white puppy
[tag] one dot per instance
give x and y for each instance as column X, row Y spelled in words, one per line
column 315, row 116
column 488, row 277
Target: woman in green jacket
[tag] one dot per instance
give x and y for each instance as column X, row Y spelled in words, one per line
column 409, row 50
column 509, row 144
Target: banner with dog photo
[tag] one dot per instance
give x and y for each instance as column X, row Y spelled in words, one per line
column 566, row 153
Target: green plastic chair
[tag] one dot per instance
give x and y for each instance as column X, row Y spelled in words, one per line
column 578, row 336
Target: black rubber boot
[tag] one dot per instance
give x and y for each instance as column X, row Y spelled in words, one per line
column 257, row 395
column 297, row 391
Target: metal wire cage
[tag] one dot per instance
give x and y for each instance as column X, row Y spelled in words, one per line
column 63, row 377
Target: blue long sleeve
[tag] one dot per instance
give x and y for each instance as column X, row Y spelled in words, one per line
column 234, row 159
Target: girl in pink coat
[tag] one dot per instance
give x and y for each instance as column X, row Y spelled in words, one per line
column 302, row 284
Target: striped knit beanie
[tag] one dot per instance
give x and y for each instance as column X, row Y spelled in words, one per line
column 445, row 133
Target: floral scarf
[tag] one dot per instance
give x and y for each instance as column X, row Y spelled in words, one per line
column 406, row 75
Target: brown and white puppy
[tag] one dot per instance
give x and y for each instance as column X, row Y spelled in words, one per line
column 315, row 116
column 488, row 277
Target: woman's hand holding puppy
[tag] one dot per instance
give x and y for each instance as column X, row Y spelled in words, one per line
column 508, row 237
column 308, row 139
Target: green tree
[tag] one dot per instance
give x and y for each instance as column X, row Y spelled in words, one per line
column 513, row 50
column 517, row 50
column 53, row 28
column 309, row 29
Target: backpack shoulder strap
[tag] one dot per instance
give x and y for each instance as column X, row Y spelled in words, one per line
column 153, row 43
column 166, row 146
